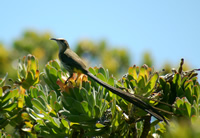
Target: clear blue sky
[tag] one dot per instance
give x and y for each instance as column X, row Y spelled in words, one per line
column 169, row 29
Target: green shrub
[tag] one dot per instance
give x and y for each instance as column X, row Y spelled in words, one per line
column 42, row 105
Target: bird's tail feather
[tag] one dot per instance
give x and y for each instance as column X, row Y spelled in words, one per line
column 129, row 97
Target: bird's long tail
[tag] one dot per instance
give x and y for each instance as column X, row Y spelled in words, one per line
column 129, row 97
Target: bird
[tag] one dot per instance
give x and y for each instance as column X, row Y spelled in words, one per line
column 74, row 64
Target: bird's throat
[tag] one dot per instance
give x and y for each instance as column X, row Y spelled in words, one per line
column 62, row 49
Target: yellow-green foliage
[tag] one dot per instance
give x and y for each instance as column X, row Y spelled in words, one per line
column 43, row 105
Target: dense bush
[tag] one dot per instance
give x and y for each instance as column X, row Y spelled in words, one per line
column 42, row 105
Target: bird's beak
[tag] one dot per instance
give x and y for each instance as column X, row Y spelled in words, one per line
column 53, row 39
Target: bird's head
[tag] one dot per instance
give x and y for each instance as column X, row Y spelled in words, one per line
column 62, row 43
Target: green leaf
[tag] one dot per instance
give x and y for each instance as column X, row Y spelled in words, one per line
column 37, row 78
column 20, row 72
column 134, row 72
column 174, row 85
column 41, row 94
column 30, row 77
column 152, row 83
column 38, row 105
column 48, row 82
column 111, row 81
column 180, row 92
column 10, row 107
column 162, row 82
column 183, row 80
column 104, row 106
column 67, row 101
column 6, row 97
column 188, row 107
column 196, row 92
column 33, row 92
column 84, row 94
column 130, row 70
column 97, row 111
column 92, row 71
column 79, row 118
column 179, row 102
column 28, row 101
column 86, row 86
column 85, row 106
column 103, row 72
column 40, row 121
column 1, row 91
column 3, row 80
column 14, row 92
column 99, row 125
column 59, row 75
column 52, row 74
column 129, row 77
column 133, row 84
column 188, row 94
column 56, row 122
column 33, row 65
column 141, row 82
column 77, row 95
column 166, row 91
column 193, row 111
column 143, row 72
column 77, row 106
column 101, row 77
column 65, row 123
column 37, row 128
column 177, row 79
column 51, row 78
column 57, row 106
column 55, row 64
column 41, row 99
column 4, row 122
column 53, row 98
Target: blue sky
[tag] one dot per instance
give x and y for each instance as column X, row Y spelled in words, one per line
column 168, row 29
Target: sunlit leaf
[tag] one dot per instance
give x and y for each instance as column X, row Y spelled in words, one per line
column 38, row 105
column 152, row 83
column 1, row 91
column 55, row 64
column 10, row 107
column 6, row 97
column 103, row 72
column 188, row 107
column 3, row 80
column 92, row 71
column 141, row 82
column 65, row 123
column 99, row 125
column 53, row 98
column 100, row 76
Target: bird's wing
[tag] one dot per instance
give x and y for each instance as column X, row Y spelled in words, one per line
column 73, row 60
